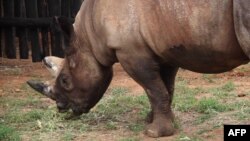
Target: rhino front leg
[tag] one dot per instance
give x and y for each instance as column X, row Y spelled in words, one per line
column 147, row 72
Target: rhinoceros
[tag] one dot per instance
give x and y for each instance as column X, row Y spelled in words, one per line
column 151, row 39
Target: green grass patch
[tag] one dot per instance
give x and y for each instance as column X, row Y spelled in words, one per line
column 119, row 91
column 117, row 110
column 184, row 137
column 204, row 117
column 8, row 134
column 184, row 98
column 13, row 103
column 130, row 139
column 177, row 123
column 208, row 105
column 136, row 127
column 224, row 91
column 110, row 125
column 68, row 137
column 23, row 117
column 208, row 77
column 243, row 113
column 228, row 87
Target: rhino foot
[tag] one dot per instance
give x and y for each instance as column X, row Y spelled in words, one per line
column 159, row 129
column 150, row 117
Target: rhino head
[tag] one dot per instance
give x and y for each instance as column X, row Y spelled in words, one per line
column 80, row 81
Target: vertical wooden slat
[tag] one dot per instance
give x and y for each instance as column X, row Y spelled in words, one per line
column 56, row 37
column 10, row 50
column 65, row 8
column 75, row 6
column 1, row 48
column 32, row 12
column 22, row 32
column 43, row 12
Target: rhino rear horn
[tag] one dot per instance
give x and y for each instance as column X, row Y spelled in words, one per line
column 41, row 88
column 53, row 64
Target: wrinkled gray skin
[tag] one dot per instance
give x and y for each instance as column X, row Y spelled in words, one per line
column 151, row 39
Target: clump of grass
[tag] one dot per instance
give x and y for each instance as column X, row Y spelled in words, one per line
column 23, row 117
column 130, row 139
column 119, row 91
column 184, row 137
column 204, row 117
column 136, row 127
column 8, row 134
column 20, row 102
column 177, row 123
column 243, row 114
column 184, row 98
column 242, row 108
column 68, row 137
column 111, row 125
column 208, row 105
column 208, row 77
column 115, row 106
column 228, row 87
column 225, row 91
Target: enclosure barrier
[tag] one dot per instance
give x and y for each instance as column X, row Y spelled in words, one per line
column 26, row 27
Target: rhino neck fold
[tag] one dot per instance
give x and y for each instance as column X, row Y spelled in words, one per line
column 90, row 38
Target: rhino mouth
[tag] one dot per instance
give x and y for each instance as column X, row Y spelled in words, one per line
column 76, row 113
column 77, row 110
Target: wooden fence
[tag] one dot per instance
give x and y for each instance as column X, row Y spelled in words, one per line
column 25, row 27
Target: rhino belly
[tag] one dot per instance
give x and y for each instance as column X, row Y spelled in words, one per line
column 206, row 59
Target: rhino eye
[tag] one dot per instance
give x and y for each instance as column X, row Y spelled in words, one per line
column 65, row 82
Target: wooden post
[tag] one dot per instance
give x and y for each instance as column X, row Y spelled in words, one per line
column 75, row 6
column 56, row 36
column 1, row 48
column 66, row 5
column 10, row 50
column 25, row 22
column 32, row 12
column 65, row 8
column 43, row 12
column 22, row 31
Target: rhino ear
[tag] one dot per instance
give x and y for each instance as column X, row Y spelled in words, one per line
column 64, row 25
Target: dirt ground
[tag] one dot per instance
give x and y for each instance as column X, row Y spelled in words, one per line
column 15, row 73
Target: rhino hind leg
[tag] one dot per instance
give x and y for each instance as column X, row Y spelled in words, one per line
column 147, row 73
column 168, row 75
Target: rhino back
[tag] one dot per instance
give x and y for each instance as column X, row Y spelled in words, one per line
column 194, row 34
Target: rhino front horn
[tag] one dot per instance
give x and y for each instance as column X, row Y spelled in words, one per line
column 41, row 88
